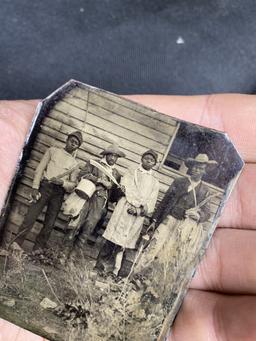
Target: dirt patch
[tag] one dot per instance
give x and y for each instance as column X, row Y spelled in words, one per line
column 89, row 306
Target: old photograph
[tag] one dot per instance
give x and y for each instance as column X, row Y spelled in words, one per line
column 111, row 210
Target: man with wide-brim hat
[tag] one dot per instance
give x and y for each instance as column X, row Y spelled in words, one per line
column 179, row 216
column 201, row 159
column 114, row 150
column 106, row 179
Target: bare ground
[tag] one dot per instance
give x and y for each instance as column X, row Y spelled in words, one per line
column 89, row 306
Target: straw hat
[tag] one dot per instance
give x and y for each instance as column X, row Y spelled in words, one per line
column 112, row 149
column 200, row 159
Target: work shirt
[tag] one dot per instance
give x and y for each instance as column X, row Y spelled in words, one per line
column 180, row 197
column 55, row 162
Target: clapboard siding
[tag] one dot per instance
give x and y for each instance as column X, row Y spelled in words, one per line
column 104, row 97
column 71, row 110
column 109, row 106
column 133, row 126
column 103, row 119
column 125, row 115
column 156, row 129
column 75, row 101
column 52, row 125
column 61, row 116
column 93, row 135
column 129, row 135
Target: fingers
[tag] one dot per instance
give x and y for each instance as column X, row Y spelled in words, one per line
column 234, row 114
column 229, row 264
column 240, row 211
column 15, row 120
column 10, row 332
column 214, row 317
column 16, row 116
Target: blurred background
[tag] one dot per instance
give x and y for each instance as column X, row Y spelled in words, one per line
column 129, row 46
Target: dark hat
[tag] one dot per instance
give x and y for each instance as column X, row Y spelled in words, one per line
column 78, row 135
column 112, row 149
column 202, row 159
column 152, row 153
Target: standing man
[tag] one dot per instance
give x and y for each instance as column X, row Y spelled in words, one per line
column 123, row 230
column 180, row 214
column 105, row 176
column 53, row 177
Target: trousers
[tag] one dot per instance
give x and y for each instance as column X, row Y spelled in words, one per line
column 94, row 213
column 51, row 195
column 107, row 252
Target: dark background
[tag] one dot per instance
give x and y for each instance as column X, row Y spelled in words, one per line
column 127, row 46
column 192, row 140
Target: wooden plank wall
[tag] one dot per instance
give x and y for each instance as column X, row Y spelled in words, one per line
column 103, row 118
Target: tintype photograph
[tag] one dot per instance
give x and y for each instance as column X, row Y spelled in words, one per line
column 111, row 210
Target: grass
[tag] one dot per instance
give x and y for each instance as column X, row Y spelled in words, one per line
column 110, row 316
column 92, row 307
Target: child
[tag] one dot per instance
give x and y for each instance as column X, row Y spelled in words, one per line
column 124, row 228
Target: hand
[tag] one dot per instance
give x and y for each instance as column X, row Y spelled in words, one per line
column 151, row 227
column 88, row 176
column 192, row 214
column 57, row 181
column 104, row 182
column 15, row 119
column 81, row 165
column 132, row 210
column 35, row 194
column 122, row 187
column 143, row 211
column 208, row 312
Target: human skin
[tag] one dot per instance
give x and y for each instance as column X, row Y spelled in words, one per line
column 111, row 159
column 221, row 302
column 148, row 161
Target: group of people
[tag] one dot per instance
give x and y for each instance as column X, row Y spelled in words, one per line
column 135, row 196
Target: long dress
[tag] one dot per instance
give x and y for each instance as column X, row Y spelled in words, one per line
column 141, row 190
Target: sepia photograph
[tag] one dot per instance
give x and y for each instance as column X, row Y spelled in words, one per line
column 111, row 209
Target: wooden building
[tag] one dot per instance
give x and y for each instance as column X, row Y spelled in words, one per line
column 103, row 118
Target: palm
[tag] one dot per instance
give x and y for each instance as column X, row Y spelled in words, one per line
column 220, row 304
